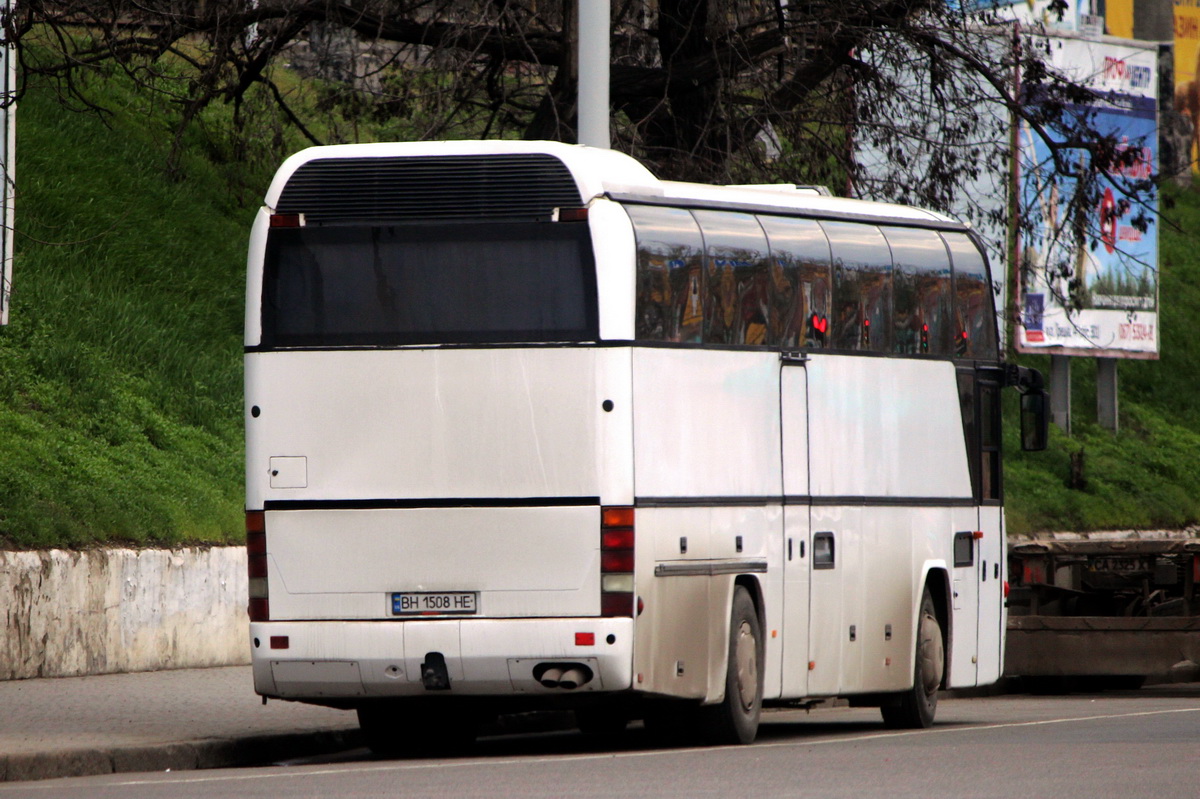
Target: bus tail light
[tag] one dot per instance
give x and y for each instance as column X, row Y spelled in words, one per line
column 616, row 561
column 287, row 220
column 256, row 565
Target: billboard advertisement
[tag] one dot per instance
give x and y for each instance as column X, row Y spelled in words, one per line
column 1097, row 298
column 1187, row 71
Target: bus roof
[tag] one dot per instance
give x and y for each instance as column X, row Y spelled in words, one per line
column 598, row 172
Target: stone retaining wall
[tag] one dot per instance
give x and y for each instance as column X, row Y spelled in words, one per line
column 119, row 610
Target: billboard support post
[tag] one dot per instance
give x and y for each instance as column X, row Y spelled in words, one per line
column 1060, row 392
column 1106, row 393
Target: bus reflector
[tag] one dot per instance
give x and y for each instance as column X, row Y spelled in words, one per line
column 572, row 214
column 585, row 639
column 256, row 565
column 280, row 642
column 287, row 220
column 616, row 561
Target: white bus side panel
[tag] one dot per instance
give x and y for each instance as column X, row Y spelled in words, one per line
column 886, row 445
column 707, row 478
column 885, row 428
column 706, row 424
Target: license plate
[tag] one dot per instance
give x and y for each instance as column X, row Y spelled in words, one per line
column 435, row 603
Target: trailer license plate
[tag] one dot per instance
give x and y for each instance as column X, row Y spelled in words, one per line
column 435, row 603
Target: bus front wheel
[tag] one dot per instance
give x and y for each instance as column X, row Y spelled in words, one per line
column 915, row 708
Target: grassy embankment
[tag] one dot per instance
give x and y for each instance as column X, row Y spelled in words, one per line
column 120, row 375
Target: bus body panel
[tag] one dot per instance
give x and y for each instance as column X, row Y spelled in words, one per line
column 613, row 246
column 886, row 428
column 682, row 631
column 483, row 656
column 795, row 545
column 706, row 427
column 345, row 564
column 430, row 423
column 993, row 574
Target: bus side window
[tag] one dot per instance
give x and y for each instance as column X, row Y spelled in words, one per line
column 922, row 292
column 974, row 313
column 800, row 282
column 670, row 276
column 862, row 287
column 736, row 308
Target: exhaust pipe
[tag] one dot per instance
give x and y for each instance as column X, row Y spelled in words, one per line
column 574, row 677
column 568, row 676
column 551, row 676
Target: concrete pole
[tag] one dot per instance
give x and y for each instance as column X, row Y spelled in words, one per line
column 1106, row 393
column 1060, row 392
column 594, row 22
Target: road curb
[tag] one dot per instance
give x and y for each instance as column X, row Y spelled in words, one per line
column 183, row 756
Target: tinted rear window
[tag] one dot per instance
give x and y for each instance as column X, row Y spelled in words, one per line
column 432, row 284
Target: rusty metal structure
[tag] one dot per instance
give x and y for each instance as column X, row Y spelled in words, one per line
column 1104, row 609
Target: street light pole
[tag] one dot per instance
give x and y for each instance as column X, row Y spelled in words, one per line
column 594, row 21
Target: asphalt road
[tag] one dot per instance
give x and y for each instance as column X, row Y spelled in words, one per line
column 1106, row 746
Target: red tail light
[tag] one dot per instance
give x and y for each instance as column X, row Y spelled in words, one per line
column 256, row 565
column 616, row 561
column 287, row 220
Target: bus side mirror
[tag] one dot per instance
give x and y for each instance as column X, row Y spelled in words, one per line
column 1035, row 420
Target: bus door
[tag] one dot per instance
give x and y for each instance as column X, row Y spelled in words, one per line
column 979, row 537
column 793, row 384
column 992, row 546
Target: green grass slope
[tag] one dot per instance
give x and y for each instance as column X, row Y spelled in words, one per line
column 120, row 373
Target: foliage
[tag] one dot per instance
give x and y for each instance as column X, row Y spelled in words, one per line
column 120, row 378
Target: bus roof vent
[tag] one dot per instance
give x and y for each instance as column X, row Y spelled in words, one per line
column 524, row 186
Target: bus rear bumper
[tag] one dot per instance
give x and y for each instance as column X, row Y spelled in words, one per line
column 342, row 660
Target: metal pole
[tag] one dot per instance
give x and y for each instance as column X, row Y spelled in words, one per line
column 1060, row 392
column 593, row 72
column 1107, row 387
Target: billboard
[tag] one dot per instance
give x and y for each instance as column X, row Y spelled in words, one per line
column 1187, row 71
column 1098, row 299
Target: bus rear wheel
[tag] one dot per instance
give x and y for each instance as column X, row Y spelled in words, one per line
column 915, row 708
column 735, row 719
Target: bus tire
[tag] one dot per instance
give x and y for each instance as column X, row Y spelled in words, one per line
column 734, row 720
column 915, row 708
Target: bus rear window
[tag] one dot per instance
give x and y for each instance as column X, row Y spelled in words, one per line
column 432, row 284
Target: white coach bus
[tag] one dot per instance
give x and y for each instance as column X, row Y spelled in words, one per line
column 527, row 427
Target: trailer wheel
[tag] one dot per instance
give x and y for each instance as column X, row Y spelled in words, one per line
column 915, row 708
column 734, row 720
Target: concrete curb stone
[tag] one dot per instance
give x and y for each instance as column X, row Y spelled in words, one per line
column 206, row 754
